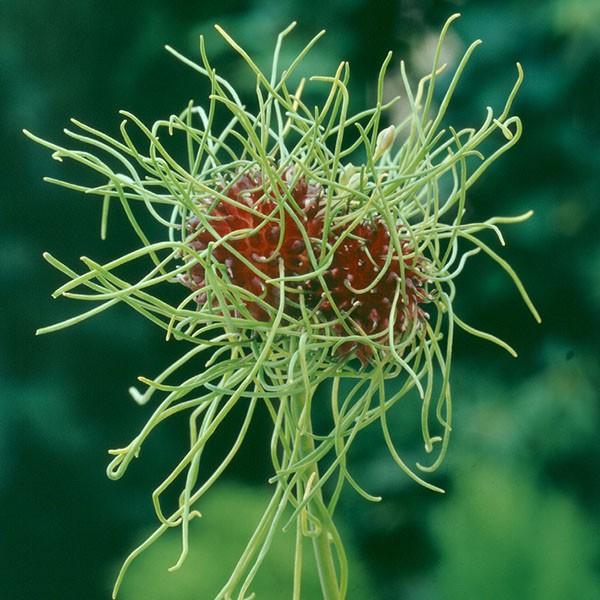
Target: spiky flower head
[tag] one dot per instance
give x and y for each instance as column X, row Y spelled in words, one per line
column 317, row 247
column 359, row 290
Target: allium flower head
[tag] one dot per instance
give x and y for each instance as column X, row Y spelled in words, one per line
column 317, row 250
column 356, row 292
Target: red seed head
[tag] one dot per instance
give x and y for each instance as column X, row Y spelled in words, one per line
column 358, row 262
column 273, row 234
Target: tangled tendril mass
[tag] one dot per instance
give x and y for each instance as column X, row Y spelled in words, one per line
column 303, row 268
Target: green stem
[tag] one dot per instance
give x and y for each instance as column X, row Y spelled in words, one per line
column 322, row 540
column 324, row 555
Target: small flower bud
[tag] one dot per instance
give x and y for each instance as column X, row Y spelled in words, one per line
column 385, row 139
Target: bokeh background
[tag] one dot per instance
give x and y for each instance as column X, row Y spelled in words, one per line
column 520, row 518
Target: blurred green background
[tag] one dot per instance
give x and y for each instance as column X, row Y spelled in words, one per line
column 520, row 518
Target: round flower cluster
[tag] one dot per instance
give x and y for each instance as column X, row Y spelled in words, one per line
column 251, row 234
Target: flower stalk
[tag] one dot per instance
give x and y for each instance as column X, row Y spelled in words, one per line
column 321, row 530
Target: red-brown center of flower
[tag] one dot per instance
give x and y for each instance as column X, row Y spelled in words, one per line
column 268, row 235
